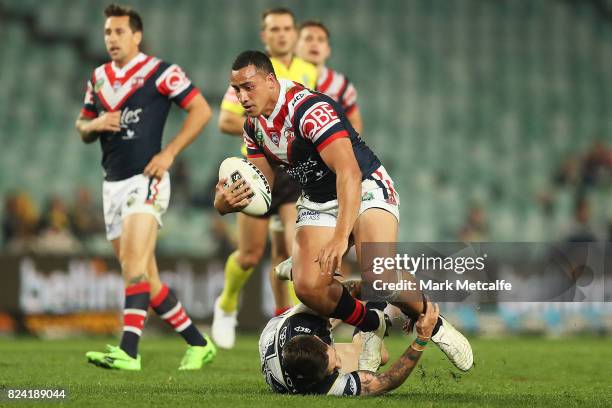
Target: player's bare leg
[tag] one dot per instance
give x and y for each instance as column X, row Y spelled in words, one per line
column 165, row 303
column 323, row 293
column 252, row 236
column 134, row 250
column 281, row 244
column 378, row 225
column 350, row 353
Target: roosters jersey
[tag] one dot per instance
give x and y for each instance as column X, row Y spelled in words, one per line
column 277, row 333
column 302, row 124
column 142, row 91
column 338, row 87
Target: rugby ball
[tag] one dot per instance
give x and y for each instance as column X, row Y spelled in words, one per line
column 235, row 168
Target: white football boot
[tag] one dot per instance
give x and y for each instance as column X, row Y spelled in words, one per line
column 224, row 327
column 283, row 269
column 456, row 347
column 371, row 345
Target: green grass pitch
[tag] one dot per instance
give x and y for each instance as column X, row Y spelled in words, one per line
column 509, row 372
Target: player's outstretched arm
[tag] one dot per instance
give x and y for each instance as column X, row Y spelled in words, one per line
column 379, row 383
column 198, row 115
column 231, row 123
column 90, row 129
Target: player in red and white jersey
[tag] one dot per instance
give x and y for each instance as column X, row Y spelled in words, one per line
column 346, row 193
column 313, row 46
column 126, row 106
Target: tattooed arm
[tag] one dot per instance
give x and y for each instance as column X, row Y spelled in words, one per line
column 379, row 383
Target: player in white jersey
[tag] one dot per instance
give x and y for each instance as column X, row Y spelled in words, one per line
column 298, row 355
column 313, row 46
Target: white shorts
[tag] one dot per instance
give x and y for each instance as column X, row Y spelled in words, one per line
column 377, row 191
column 137, row 194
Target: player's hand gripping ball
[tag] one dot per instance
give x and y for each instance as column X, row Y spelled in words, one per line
column 235, row 168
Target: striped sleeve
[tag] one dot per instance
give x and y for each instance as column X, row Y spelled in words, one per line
column 89, row 110
column 348, row 98
column 345, row 385
column 174, row 84
column 319, row 123
column 253, row 150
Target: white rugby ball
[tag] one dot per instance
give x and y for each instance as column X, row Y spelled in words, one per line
column 235, row 168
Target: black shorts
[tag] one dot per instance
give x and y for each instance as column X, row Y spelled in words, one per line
column 285, row 191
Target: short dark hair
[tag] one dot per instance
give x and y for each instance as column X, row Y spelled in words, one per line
column 275, row 11
column 256, row 58
column 314, row 23
column 305, row 359
column 115, row 10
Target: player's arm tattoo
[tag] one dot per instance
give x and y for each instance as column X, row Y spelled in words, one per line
column 137, row 279
column 378, row 383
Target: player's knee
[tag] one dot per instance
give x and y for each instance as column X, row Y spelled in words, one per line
column 308, row 291
column 249, row 258
column 133, row 268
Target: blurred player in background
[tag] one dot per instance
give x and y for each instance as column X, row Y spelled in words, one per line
column 313, row 46
column 335, row 169
column 279, row 35
column 126, row 106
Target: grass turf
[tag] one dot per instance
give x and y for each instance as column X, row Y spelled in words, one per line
column 508, row 372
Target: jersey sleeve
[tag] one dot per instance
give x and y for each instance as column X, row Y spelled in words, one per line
column 253, row 150
column 346, row 384
column 89, row 110
column 348, row 99
column 319, row 123
column 230, row 102
column 174, row 84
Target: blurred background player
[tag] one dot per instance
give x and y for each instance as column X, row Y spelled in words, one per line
column 279, row 35
column 126, row 106
column 313, row 46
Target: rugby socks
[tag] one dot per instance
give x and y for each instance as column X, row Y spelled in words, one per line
column 167, row 306
column 235, row 278
column 353, row 312
column 134, row 313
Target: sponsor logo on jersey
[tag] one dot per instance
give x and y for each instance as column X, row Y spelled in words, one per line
column 259, row 137
column 282, row 338
column 99, row 84
column 301, row 329
column 304, row 215
column 369, row 196
column 138, row 82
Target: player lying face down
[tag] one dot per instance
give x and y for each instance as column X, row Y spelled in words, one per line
column 309, row 134
column 310, row 364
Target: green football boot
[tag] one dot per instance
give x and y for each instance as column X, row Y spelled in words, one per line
column 196, row 356
column 115, row 358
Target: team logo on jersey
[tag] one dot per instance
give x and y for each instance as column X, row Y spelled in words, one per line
column 99, row 84
column 116, row 85
column 275, row 138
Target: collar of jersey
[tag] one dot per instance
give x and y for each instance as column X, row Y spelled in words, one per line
column 284, row 85
column 120, row 72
